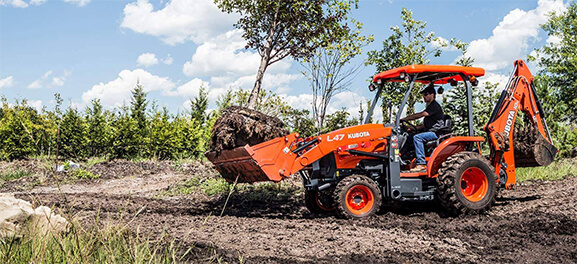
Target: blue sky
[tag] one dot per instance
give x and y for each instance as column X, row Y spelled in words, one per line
column 86, row 49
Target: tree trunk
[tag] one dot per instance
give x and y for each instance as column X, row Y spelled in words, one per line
column 253, row 98
column 264, row 62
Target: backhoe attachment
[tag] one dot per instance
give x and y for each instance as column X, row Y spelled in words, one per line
column 529, row 145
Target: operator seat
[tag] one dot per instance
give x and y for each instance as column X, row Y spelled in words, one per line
column 443, row 133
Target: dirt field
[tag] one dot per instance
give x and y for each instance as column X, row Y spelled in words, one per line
column 535, row 223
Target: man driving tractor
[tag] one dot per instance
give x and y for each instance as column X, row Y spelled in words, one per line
column 433, row 114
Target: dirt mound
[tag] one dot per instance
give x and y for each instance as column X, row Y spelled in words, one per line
column 30, row 167
column 239, row 126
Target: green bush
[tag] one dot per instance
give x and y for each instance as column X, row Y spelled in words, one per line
column 14, row 174
column 83, row 174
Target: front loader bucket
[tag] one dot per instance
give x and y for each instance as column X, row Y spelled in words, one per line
column 263, row 162
column 531, row 148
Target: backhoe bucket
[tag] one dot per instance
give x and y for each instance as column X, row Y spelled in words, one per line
column 263, row 162
column 532, row 149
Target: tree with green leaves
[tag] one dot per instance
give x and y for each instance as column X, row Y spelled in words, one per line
column 408, row 44
column 271, row 104
column 328, row 72
column 198, row 106
column 125, row 141
column 339, row 119
column 20, row 128
column 299, row 121
column 97, row 129
column 72, row 136
column 163, row 143
column 559, row 58
column 278, row 29
column 138, row 106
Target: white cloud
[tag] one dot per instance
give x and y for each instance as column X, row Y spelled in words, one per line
column 226, row 54
column 36, row 85
column 45, row 80
column 23, row 4
column 38, row 2
column 348, row 99
column 301, row 101
column 6, row 82
column 221, row 55
column 46, row 75
column 178, row 21
column 278, row 83
column 115, row 92
column 443, row 44
column 511, row 38
column 494, row 78
column 14, row 3
column 147, row 60
column 189, row 89
column 59, row 81
column 36, row 104
column 78, row 2
column 168, row 60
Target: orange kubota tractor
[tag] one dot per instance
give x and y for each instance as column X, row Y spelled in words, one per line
column 352, row 170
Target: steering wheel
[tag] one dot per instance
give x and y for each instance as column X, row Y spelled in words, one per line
column 411, row 126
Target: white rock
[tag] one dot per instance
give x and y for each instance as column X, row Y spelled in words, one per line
column 17, row 213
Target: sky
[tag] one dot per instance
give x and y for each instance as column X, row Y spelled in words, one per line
column 98, row 49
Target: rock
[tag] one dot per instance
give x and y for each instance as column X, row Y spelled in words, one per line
column 70, row 164
column 16, row 214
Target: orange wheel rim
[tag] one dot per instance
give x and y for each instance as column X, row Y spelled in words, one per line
column 474, row 184
column 360, row 200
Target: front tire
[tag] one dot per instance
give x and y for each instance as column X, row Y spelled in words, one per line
column 466, row 184
column 319, row 202
column 357, row 196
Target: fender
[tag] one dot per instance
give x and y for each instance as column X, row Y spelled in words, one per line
column 447, row 148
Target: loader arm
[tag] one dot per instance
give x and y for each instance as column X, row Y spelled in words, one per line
column 519, row 95
column 281, row 157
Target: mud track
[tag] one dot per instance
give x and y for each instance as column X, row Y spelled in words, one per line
column 535, row 223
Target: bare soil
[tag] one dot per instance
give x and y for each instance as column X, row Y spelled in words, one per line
column 535, row 223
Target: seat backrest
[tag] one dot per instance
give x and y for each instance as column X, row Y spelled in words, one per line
column 447, row 126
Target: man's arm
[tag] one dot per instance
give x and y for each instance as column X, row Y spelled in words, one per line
column 415, row 116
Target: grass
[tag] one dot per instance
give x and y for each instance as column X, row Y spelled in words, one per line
column 111, row 244
column 82, row 174
column 96, row 160
column 14, row 174
column 557, row 170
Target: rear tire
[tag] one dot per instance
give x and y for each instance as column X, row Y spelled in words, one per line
column 319, row 202
column 357, row 196
column 466, row 184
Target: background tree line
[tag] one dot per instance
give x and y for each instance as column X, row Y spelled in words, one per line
column 139, row 129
